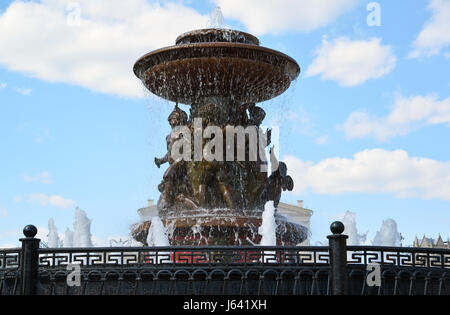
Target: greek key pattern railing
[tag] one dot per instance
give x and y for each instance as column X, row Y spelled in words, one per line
column 9, row 271
column 243, row 271
column 9, row 259
column 235, row 256
column 185, row 256
column 187, row 270
column 399, row 257
column 229, row 271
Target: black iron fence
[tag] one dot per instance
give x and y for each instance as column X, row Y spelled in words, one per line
column 249, row 271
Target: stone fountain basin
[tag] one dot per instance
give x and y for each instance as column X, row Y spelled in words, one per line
column 220, row 227
column 188, row 73
column 213, row 35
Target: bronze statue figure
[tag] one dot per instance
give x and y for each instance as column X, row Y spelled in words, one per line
column 174, row 188
column 176, row 119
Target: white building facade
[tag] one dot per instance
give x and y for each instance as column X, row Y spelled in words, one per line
column 298, row 214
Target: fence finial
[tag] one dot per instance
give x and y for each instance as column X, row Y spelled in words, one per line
column 30, row 231
column 337, row 228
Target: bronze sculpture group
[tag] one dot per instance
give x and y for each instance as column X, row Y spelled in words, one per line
column 203, row 184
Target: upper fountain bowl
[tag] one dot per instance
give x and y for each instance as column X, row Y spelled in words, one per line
column 216, row 63
column 214, row 35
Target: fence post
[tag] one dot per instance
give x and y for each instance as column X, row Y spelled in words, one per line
column 338, row 259
column 29, row 260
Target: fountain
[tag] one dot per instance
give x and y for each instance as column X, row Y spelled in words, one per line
column 388, row 235
column 81, row 230
column 53, row 237
column 221, row 74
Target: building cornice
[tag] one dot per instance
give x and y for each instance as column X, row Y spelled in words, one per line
column 295, row 209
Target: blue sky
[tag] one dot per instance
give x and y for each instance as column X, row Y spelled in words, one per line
column 365, row 128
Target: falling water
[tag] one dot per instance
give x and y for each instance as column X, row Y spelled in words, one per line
column 268, row 227
column 82, row 230
column 388, row 235
column 157, row 235
column 53, row 238
column 68, row 239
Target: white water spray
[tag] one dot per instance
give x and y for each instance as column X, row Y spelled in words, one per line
column 354, row 239
column 216, row 19
column 53, row 238
column 268, row 227
column 82, row 230
column 68, row 239
column 388, row 235
column 157, row 235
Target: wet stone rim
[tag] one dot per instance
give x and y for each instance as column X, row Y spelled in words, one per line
column 217, row 50
column 217, row 35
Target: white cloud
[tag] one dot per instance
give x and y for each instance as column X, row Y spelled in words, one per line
column 352, row 62
column 43, row 178
column 3, row 85
column 435, row 34
column 407, row 115
column 24, row 91
column 373, row 171
column 55, row 200
column 99, row 54
column 268, row 16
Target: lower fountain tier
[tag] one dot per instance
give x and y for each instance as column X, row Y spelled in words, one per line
column 220, row 228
